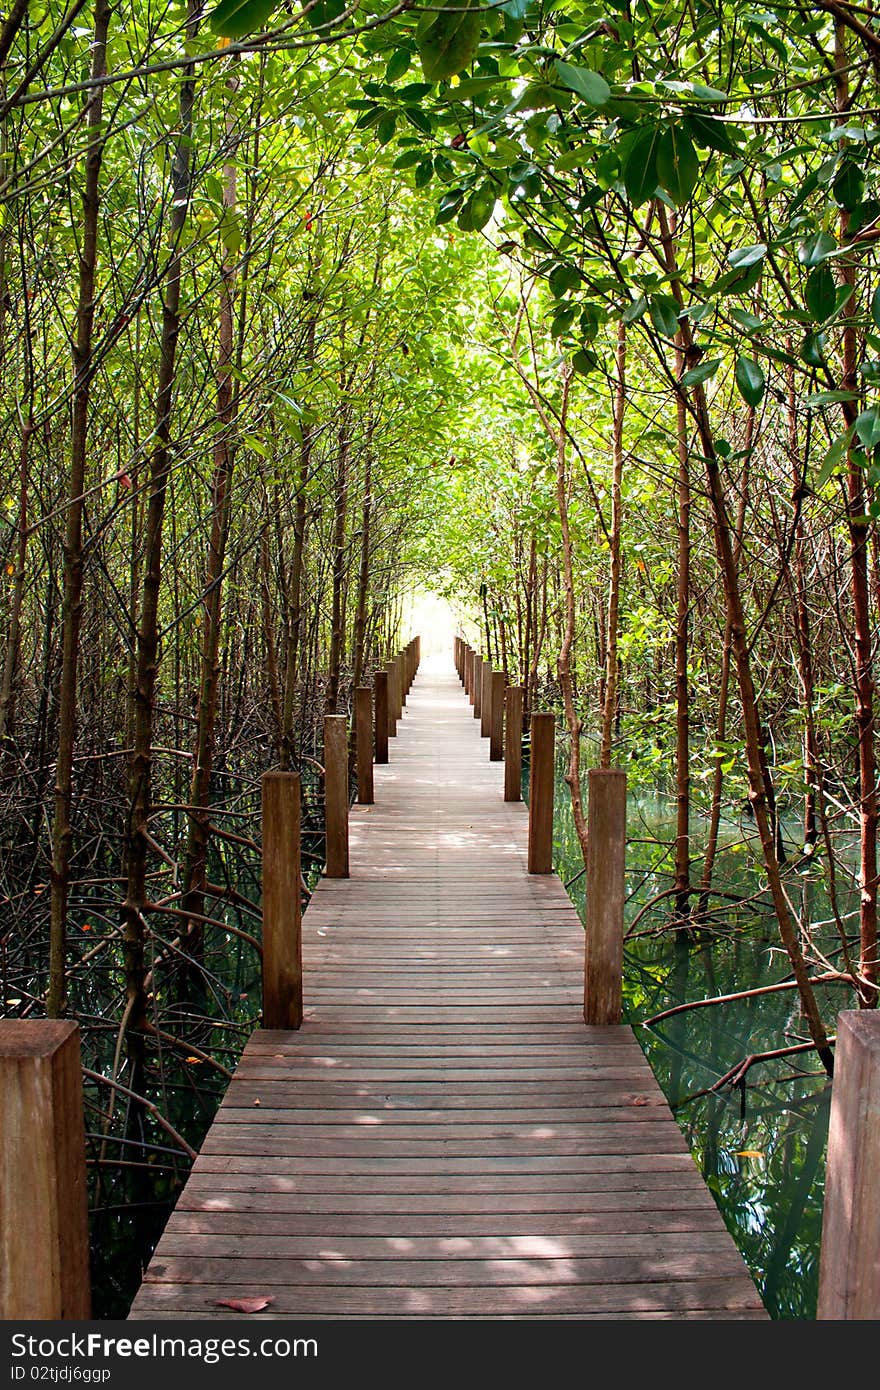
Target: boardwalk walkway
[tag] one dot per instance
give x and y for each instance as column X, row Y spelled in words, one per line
column 444, row 1137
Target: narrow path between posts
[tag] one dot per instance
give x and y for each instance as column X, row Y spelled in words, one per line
column 444, row 1137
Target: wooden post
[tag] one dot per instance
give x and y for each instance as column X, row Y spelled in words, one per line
column 486, row 699
column 478, row 688
column 470, row 672
column 380, row 715
column 606, row 892
column 363, row 724
column 401, row 683
column 513, row 727
column 391, row 670
column 496, row 717
column 282, row 906
column 849, row 1264
column 336, row 794
column 456, row 655
column 543, row 729
column 44, row 1227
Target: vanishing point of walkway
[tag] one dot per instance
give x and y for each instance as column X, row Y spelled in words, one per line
column 444, row 1137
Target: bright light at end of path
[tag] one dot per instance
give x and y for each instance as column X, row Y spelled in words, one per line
column 432, row 618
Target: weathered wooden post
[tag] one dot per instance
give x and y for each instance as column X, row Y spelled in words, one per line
column 496, row 717
column 849, row 1264
column 543, row 740
column 456, row 655
column 486, row 699
column 606, row 892
column 363, row 733
column 282, row 905
column 478, row 688
column 380, row 715
column 391, row 670
column 44, row 1221
column 470, row 671
column 513, row 728
column 336, row 794
column 401, row 682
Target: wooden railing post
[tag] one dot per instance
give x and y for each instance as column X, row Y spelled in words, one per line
column 496, row 717
column 478, row 688
column 391, row 670
column 282, row 905
column 44, row 1222
column 486, row 699
column 401, row 681
column 849, row 1264
column 606, row 894
column 363, row 733
column 541, row 772
column 470, row 672
column 336, row 794
column 380, row 715
column 513, row 730
column 456, row 655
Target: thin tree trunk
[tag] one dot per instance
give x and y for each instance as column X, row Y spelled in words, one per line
column 609, row 713
column 859, row 524
column 71, row 619
column 563, row 663
column 195, row 868
column 140, row 767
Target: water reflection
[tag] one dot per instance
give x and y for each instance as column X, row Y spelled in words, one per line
column 761, row 1148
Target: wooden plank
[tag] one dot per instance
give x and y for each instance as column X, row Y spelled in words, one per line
column 445, row 1137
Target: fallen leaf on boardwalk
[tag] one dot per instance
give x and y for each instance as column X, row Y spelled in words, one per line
column 639, row 1100
column 257, row 1102
column 245, row 1305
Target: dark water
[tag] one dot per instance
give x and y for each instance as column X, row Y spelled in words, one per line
column 761, row 1146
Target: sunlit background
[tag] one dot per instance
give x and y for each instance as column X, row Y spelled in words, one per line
column 430, row 616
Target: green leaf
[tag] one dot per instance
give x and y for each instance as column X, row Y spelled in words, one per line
column 449, row 205
column 813, row 349
column 678, row 166
column 586, row 83
column 819, row 293
column 849, row 186
column 633, row 312
column 664, row 314
column 747, row 255
column 749, row 322
column 325, row 12
column 564, row 278
column 450, row 41
column 234, row 19
column 820, row 398
column 834, row 457
column 701, row 372
column 640, row 165
column 711, row 134
column 750, row 380
column 424, row 173
column 386, row 126
column 397, row 65
column 585, row 362
column 875, row 307
column 478, row 208
column 870, row 372
column 868, row 427
column 815, row 248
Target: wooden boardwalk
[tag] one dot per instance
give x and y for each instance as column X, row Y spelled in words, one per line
column 444, row 1138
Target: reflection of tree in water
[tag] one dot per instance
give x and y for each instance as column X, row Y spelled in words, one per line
column 761, row 1147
